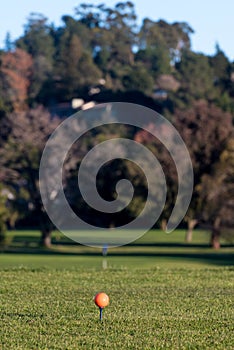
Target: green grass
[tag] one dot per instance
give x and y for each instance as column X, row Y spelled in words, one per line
column 152, row 250
column 164, row 295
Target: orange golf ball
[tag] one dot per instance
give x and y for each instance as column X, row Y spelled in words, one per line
column 101, row 300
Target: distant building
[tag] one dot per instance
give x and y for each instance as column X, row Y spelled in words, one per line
column 164, row 84
column 167, row 82
column 66, row 109
column 159, row 94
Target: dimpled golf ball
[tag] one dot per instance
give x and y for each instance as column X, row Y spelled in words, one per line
column 101, row 300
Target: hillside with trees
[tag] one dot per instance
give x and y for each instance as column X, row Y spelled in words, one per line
column 101, row 54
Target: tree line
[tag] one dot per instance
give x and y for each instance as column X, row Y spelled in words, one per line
column 100, row 54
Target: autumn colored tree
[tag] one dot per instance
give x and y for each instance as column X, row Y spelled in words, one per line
column 205, row 129
column 15, row 75
column 216, row 193
column 20, row 158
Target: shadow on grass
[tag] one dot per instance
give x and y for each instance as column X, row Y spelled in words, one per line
column 25, row 241
column 205, row 255
column 29, row 244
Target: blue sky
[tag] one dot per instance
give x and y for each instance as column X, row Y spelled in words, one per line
column 212, row 20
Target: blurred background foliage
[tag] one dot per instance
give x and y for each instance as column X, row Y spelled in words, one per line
column 101, row 55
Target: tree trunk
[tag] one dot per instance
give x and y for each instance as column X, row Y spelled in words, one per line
column 46, row 227
column 46, row 238
column 189, row 234
column 131, row 59
column 215, row 234
column 164, row 225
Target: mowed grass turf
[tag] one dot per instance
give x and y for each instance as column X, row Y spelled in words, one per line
column 167, row 301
